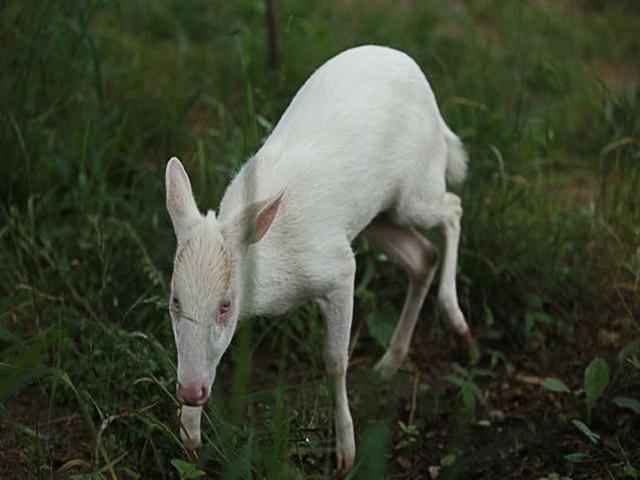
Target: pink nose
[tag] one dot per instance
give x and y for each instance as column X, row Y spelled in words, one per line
column 192, row 394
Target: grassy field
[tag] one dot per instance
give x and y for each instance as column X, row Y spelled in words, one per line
column 95, row 96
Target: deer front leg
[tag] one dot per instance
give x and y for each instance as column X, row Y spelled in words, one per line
column 337, row 308
column 190, row 426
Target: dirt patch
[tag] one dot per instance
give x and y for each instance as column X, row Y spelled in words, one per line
column 33, row 445
column 524, row 430
column 616, row 77
column 573, row 189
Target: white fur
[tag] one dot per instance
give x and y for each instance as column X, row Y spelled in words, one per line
column 362, row 147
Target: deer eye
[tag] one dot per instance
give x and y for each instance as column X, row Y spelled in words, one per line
column 224, row 307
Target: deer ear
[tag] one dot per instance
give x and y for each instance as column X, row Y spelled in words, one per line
column 264, row 218
column 181, row 205
column 252, row 223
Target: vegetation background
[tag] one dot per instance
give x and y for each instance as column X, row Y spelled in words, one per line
column 96, row 95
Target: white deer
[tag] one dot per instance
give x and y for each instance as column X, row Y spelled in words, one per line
column 361, row 148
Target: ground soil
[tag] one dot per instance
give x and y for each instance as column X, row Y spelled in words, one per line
column 57, row 440
column 523, row 431
column 526, row 431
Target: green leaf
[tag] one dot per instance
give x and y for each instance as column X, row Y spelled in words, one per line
column 468, row 400
column 380, row 323
column 630, row 471
column 555, row 476
column 628, row 349
column 488, row 316
column 596, row 379
column 476, row 392
column 457, row 381
column 594, row 437
column 626, row 402
column 131, row 473
column 555, row 385
column 408, row 429
column 448, row 460
column 367, row 276
column 575, row 457
column 186, row 470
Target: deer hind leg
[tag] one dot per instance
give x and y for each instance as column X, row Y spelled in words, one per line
column 446, row 215
column 419, row 259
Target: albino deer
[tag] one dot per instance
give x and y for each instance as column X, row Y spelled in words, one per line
column 361, row 148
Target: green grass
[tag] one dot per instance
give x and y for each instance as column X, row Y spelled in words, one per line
column 96, row 96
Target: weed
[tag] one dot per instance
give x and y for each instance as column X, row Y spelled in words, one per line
column 96, row 96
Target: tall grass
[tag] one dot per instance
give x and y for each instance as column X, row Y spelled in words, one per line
column 96, row 96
